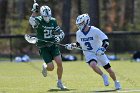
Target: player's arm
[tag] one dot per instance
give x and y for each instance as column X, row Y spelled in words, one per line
column 34, row 14
column 71, row 46
column 105, row 43
column 58, row 33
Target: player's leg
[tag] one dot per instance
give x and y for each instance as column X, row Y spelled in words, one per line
column 106, row 65
column 47, row 67
column 93, row 65
column 58, row 61
column 48, row 64
column 113, row 76
column 59, row 66
column 57, row 57
column 110, row 71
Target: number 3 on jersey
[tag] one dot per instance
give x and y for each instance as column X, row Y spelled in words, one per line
column 89, row 47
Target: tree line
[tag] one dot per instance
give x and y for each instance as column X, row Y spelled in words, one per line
column 108, row 15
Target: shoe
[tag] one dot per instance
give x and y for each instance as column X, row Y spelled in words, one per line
column 105, row 79
column 44, row 70
column 61, row 86
column 117, row 85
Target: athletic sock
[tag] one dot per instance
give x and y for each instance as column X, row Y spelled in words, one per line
column 59, row 81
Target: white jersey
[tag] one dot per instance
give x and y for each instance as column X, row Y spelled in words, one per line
column 90, row 40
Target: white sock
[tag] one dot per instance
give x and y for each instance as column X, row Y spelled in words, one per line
column 45, row 65
column 103, row 75
column 59, row 81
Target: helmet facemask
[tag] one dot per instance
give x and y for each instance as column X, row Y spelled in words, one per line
column 81, row 26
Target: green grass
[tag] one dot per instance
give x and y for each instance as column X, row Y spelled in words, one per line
column 77, row 76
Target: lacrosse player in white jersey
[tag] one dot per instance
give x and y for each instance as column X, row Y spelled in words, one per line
column 93, row 39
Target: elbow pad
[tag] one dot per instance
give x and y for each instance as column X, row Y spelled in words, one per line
column 78, row 45
column 105, row 43
column 33, row 22
column 62, row 35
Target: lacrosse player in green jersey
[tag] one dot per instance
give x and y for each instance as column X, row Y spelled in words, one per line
column 47, row 29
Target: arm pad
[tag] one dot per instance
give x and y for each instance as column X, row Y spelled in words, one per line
column 78, row 45
column 105, row 43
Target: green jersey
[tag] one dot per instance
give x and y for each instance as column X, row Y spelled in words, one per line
column 44, row 30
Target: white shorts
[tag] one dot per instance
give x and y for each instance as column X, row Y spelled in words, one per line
column 101, row 60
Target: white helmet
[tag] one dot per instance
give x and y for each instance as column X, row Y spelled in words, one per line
column 45, row 12
column 82, row 21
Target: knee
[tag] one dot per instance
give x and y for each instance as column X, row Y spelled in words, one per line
column 50, row 68
column 93, row 65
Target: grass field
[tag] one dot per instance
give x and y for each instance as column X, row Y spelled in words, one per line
column 77, row 76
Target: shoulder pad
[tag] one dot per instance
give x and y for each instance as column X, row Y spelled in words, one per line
column 52, row 18
column 39, row 18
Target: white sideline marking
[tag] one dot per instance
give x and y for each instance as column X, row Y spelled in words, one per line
column 137, row 90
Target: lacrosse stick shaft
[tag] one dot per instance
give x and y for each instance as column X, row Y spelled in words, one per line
column 64, row 45
column 52, row 42
column 33, row 40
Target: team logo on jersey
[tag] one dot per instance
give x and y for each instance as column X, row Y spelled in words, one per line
column 86, row 39
column 46, row 27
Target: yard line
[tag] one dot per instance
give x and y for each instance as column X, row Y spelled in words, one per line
column 137, row 90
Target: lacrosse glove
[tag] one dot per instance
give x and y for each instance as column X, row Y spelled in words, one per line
column 35, row 7
column 69, row 46
column 100, row 51
column 57, row 38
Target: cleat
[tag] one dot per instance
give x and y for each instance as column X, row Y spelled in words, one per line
column 105, row 79
column 61, row 86
column 44, row 70
column 117, row 85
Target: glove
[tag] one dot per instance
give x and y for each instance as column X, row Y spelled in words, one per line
column 100, row 51
column 35, row 7
column 57, row 38
column 69, row 46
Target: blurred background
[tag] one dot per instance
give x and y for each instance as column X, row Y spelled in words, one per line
column 119, row 19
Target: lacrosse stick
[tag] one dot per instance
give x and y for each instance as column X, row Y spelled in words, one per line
column 34, row 40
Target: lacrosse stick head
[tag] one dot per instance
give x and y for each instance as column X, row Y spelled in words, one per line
column 30, row 39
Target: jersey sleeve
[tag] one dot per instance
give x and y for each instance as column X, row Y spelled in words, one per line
column 100, row 34
column 103, row 38
column 34, row 22
column 58, row 31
